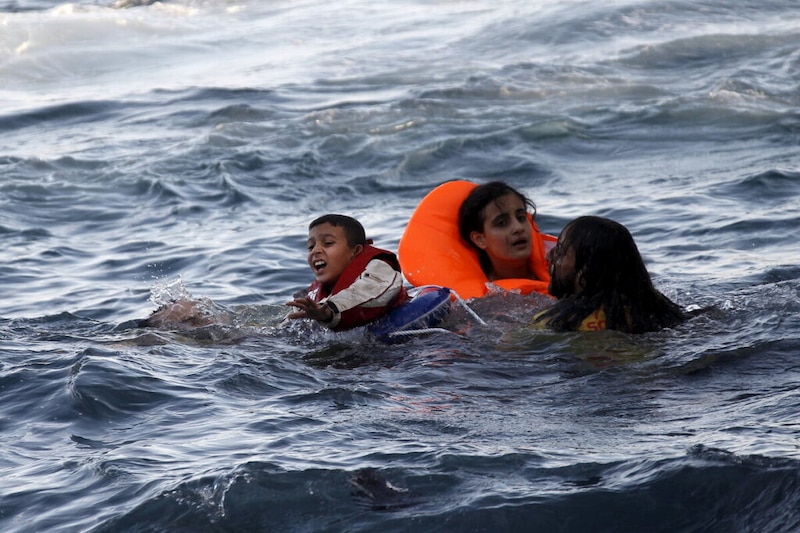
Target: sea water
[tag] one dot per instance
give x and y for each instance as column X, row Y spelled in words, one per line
column 155, row 150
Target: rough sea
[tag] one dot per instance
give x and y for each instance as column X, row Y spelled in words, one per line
column 156, row 150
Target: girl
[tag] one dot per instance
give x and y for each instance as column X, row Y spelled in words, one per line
column 601, row 282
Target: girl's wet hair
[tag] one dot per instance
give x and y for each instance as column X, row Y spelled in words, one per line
column 612, row 277
column 353, row 230
column 471, row 213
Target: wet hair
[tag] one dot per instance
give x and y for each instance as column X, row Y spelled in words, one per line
column 471, row 213
column 612, row 277
column 353, row 230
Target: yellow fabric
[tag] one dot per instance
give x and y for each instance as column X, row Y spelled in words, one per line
column 594, row 322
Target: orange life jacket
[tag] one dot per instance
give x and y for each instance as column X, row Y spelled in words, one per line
column 432, row 252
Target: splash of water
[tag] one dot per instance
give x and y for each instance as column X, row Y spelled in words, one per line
column 169, row 291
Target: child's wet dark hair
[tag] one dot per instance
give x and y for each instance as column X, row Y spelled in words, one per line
column 353, row 229
column 613, row 277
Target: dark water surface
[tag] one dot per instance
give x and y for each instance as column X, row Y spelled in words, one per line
column 156, row 150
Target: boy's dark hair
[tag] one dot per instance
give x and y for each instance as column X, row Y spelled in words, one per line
column 353, row 229
column 470, row 218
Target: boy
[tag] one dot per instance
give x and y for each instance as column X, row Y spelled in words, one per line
column 354, row 282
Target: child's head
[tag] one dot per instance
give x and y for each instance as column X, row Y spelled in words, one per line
column 333, row 241
column 493, row 219
column 595, row 255
column 597, row 265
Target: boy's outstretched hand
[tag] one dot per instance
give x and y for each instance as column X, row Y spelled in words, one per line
column 310, row 309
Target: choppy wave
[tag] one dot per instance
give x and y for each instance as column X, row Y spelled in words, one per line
column 159, row 150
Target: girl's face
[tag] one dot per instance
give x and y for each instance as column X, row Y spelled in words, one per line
column 563, row 278
column 506, row 235
column 329, row 253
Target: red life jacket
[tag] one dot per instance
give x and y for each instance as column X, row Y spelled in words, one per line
column 359, row 315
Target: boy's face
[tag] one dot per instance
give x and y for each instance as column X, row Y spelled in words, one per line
column 329, row 253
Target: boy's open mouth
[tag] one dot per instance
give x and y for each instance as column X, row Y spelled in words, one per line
column 319, row 264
